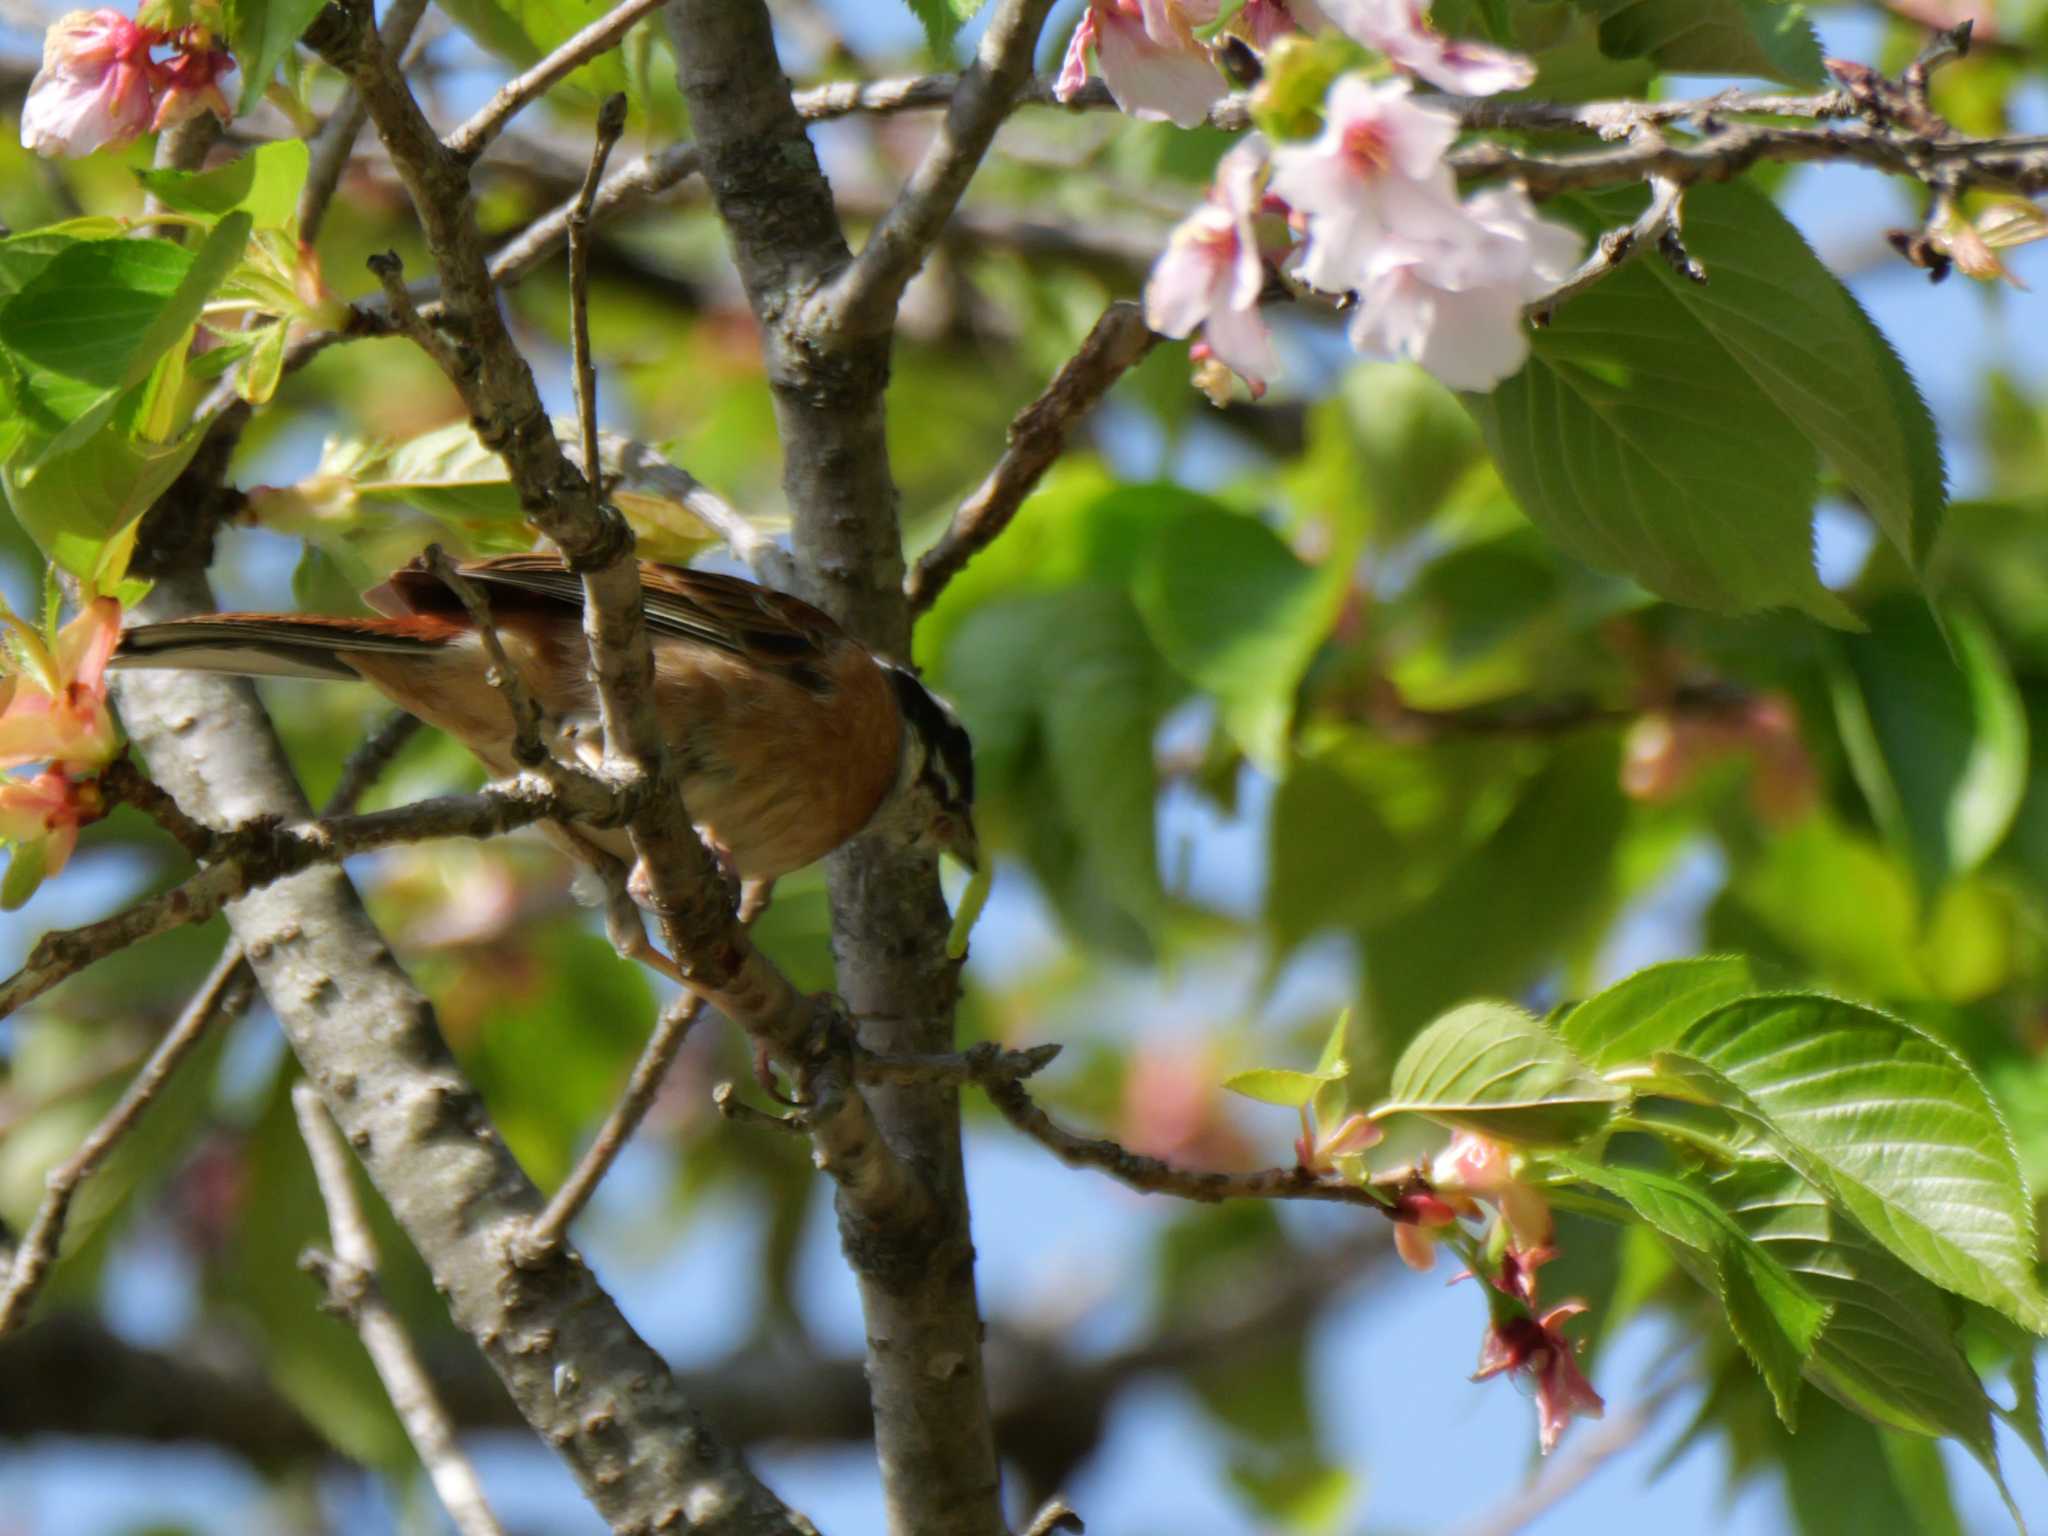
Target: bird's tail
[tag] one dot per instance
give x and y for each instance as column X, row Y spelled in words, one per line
column 278, row 644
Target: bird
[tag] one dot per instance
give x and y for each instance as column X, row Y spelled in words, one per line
column 790, row 736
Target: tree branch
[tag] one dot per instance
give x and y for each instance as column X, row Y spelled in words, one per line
column 264, row 851
column 914, row 1262
column 551, row 1227
column 520, row 92
column 335, row 144
column 368, row 1042
column 1116, row 344
column 350, row 1278
column 1153, row 1176
column 862, row 299
column 496, row 384
column 223, row 996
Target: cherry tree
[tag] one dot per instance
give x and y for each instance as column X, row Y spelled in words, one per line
column 1389, row 438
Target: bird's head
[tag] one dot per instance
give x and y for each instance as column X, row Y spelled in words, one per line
column 933, row 804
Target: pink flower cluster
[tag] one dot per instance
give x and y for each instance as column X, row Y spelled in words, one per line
column 1157, row 66
column 1369, row 208
column 106, row 78
column 53, row 711
column 1519, row 1341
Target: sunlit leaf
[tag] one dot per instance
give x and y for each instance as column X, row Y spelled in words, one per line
column 1936, row 733
column 1889, row 1124
column 1648, row 1011
column 1712, row 37
column 1775, row 1317
column 1493, row 1069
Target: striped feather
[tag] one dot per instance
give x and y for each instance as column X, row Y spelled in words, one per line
column 274, row 644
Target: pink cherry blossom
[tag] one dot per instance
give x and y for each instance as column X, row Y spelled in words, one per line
column 1418, row 1217
column 1450, row 296
column 1397, row 29
column 1537, row 1349
column 1481, row 1168
column 190, row 84
column 1376, row 169
column 47, row 809
column 1150, row 58
column 1316, row 1150
column 1263, row 22
column 1212, row 273
column 55, row 709
column 95, row 86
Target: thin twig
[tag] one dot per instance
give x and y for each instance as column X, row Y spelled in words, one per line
column 513, row 97
column 1054, row 1518
column 637, row 465
column 1157, row 1177
column 1656, row 225
column 1116, row 343
column 611, row 122
column 539, row 1241
column 122, row 783
column 388, row 267
column 726, row 1098
column 983, row 1063
column 651, row 175
column 350, row 1278
column 335, row 143
column 1943, row 47
column 368, row 762
column 863, row 299
column 263, row 852
column 528, row 750
column 225, row 993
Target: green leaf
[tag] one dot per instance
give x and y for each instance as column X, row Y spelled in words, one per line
column 26, row 867
column 1774, row 1316
column 1889, row 1351
column 1667, row 429
column 1100, row 707
column 1640, row 445
column 74, row 329
column 262, row 33
column 1392, row 445
column 1363, row 828
column 1808, row 347
column 349, row 502
column 1062, row 691
column 1493, row 1069
column 265, row 184
column 1276, row 1085
column 23, row 256
column 91, row 326
column 77, row 505
column 1844, row 1477
column 1712, row 37
column 1232, row 608
column 1507, row 909
column 1648, row 1011
column 1892, row 1126
column 942, row 19
column 1935, row 732
column 523, row 31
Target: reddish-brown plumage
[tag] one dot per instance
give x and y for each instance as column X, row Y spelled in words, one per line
column 787, row 731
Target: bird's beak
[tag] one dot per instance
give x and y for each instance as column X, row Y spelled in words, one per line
column 964, row 845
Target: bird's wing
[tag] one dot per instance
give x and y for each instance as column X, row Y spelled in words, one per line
column 726, row 613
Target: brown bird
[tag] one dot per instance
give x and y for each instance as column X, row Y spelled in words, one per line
column 789, row 734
